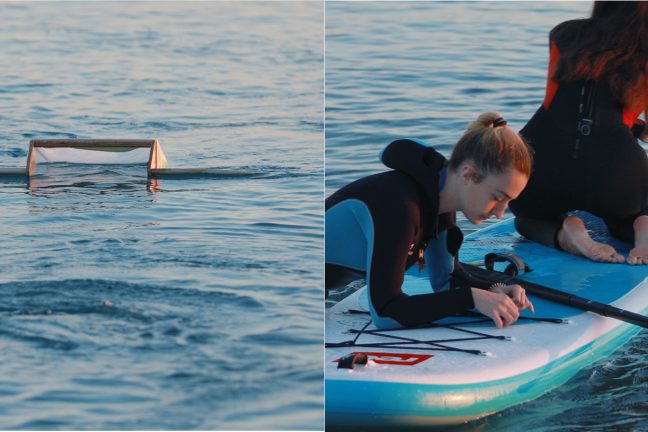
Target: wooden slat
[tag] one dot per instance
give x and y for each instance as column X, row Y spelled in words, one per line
column 196, row 172
column 13, row 171
column 31, row 160
column 156, row 157
column 57, row 143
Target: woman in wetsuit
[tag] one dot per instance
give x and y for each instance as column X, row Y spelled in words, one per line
column 382, row 224
column 585, row 136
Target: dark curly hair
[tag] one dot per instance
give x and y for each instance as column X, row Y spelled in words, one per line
column 613, row 46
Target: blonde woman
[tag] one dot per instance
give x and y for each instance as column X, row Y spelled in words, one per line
column 380, row 225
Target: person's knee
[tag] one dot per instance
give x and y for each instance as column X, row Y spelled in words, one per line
column 543, row 231
column 523, row 225
column 622, row 228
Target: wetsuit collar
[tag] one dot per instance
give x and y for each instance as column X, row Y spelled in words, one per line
column 426, row 167
column 442, row 177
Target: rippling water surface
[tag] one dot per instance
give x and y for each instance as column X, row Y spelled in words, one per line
column 426, row 69
column 126, row 304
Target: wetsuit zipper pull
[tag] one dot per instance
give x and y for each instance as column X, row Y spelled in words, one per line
column 421, row 260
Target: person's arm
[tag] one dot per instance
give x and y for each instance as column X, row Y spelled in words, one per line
column 501, row 303
column 439, row 262
column 411, row 311
column 391, row 244
column 552, row 84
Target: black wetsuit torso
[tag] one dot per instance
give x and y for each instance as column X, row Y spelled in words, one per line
column 404, row 209
column 604, row 173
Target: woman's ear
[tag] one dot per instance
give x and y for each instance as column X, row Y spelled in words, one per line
column 469, row 173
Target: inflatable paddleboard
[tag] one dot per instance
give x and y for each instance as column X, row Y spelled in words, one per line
column 464, row 368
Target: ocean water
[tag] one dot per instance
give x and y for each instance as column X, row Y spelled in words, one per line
column 426, row 69
column 178, row 304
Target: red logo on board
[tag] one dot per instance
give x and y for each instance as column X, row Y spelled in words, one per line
column 398, row 359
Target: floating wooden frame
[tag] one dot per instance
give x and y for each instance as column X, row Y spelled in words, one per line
column 156, row 159
column 156, row 166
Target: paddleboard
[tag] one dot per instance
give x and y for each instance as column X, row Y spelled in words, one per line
column 464, row 368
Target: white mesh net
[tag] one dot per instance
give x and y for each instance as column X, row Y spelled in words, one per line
column 104, row 156
column 96, row 152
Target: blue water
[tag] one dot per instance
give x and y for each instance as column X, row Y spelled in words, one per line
column 426, row 69
column 182, row 304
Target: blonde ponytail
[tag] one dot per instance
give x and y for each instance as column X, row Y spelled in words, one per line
column 492, row 146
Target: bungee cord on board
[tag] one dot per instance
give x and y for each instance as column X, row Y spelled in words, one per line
column 408, row 343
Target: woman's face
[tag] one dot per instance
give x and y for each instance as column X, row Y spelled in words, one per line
column 491, row 195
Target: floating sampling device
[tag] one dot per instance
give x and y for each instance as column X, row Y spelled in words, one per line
column 110, row 152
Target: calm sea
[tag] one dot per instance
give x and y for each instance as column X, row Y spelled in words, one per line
column 426, row 69
column 188, row 304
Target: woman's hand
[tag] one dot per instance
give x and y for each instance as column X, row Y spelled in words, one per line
column 504, row 306
column 517, row 294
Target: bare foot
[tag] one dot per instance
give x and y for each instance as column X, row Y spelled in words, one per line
column 639, row 254
column 573, row 238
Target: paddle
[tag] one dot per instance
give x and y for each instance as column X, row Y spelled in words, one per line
column 558, row 296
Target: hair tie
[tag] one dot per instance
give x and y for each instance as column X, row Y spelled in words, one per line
column 499, row 121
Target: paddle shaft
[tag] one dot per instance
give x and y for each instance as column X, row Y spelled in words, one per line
column 558, row 296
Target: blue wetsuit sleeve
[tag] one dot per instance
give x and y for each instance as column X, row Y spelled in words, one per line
column 439, row 262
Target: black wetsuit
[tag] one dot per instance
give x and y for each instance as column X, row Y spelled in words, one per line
column 604, row 173
column 396, row 216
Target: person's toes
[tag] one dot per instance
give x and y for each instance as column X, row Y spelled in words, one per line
column 638, row 256
column 601, row 252
column 637, row 260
